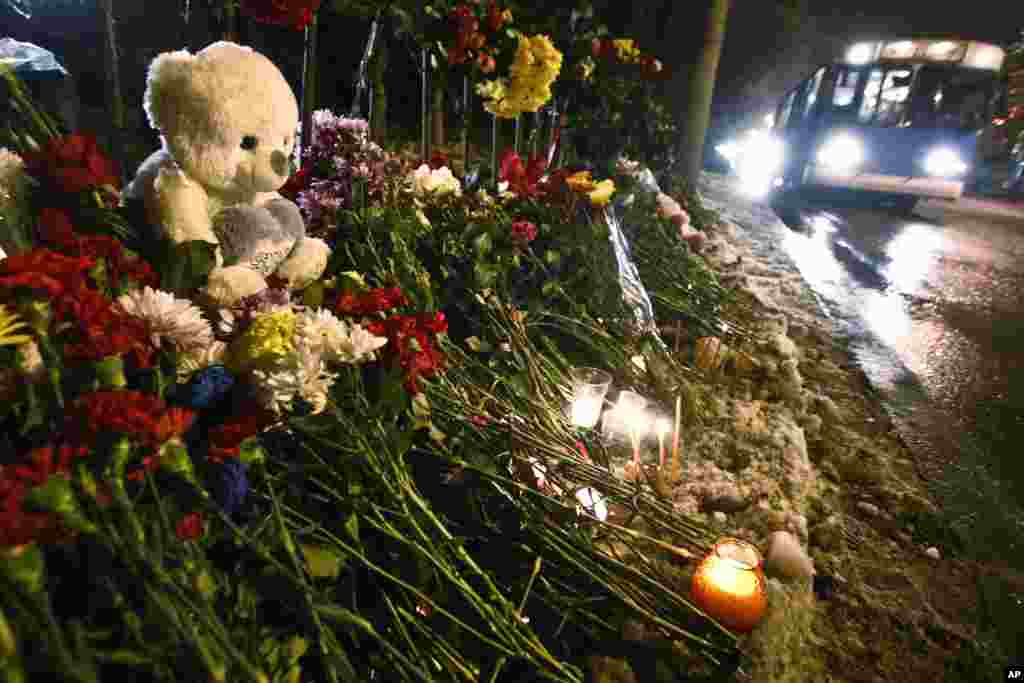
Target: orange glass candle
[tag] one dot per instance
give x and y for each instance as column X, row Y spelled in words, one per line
column 730, row 586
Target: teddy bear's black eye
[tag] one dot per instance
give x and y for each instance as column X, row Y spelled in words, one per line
column 249, row 142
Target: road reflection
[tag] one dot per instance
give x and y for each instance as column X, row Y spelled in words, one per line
column 879, row 278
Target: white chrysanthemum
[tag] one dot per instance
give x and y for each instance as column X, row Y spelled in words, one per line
column 436, row 182
column 302, row 375
column 29, row 361
column 199, row 358
column 338, row 341
column 12, row 172
column 359, row 346
column 170, row 319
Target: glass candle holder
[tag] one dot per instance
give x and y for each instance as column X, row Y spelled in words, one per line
column 729, row 585
column 589, row 387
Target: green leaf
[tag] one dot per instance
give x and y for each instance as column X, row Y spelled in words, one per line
column 552, row 257
column 486, row 275
column 252, row 452
column 321, row 563
column 352, row 527
column 185, row 267
column 483, row 244
column 27, row 568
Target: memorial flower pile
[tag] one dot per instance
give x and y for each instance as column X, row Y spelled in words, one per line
column 327, row 484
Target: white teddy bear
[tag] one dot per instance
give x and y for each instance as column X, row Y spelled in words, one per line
column 227, row 119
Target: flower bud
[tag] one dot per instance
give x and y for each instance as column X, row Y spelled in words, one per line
column 486, row 63
column 8, row 643
column 110, row 373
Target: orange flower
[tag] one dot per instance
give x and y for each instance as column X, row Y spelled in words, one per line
column 581, row 182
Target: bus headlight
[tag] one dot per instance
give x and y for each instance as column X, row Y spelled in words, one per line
column 760, row 163
column 762, row 155
column 842, row 153
column 945, row 162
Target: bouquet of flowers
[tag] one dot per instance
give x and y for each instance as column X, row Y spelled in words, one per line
column 340, row 166
column 527, row 88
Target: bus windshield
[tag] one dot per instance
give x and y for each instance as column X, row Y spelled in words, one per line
column 947, row 97
column 922, row 96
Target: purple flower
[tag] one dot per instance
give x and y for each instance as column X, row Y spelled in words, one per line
column 233, row 486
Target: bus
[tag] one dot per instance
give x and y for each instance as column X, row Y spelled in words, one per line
column 901, row 119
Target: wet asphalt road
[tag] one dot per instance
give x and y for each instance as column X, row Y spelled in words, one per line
column 932, row 306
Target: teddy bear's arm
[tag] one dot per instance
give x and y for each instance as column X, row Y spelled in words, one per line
column 306, row 262
column 183, row 207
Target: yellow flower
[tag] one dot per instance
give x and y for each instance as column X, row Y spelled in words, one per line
column 528, row 88
column 626, row 50
column 580, row 182
column 265, row 343
column 585, row 68
column 10, row 323
column 602, row 193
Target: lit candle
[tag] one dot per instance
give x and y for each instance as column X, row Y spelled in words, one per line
column 675, row 435
column 662, row 426
column 586, row 411
column 589, row 387
column 729, row 585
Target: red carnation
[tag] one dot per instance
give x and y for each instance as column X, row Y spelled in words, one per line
column 377, row 300
column 522, row 178
column 17, row 525
column 410, row 339
column 73, row 163
column 131, row 413
column 295, row 14
column 190, row 527
column 523, row 232
column 43, row 270
column 102, row 329
column 298, row 182
column 55, row 227
column 248, row 419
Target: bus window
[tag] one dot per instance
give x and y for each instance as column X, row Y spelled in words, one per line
column 951, row 97
column 787, row 108
column 870, row 99
column 893, row 97
column 845, row 90
column 812, row 93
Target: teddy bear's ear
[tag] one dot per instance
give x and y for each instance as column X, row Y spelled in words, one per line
column 166, row 84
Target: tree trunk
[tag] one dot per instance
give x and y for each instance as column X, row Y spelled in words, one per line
column 437, row 132
column 702, row 88
column 114, row 98
column 379, row 110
